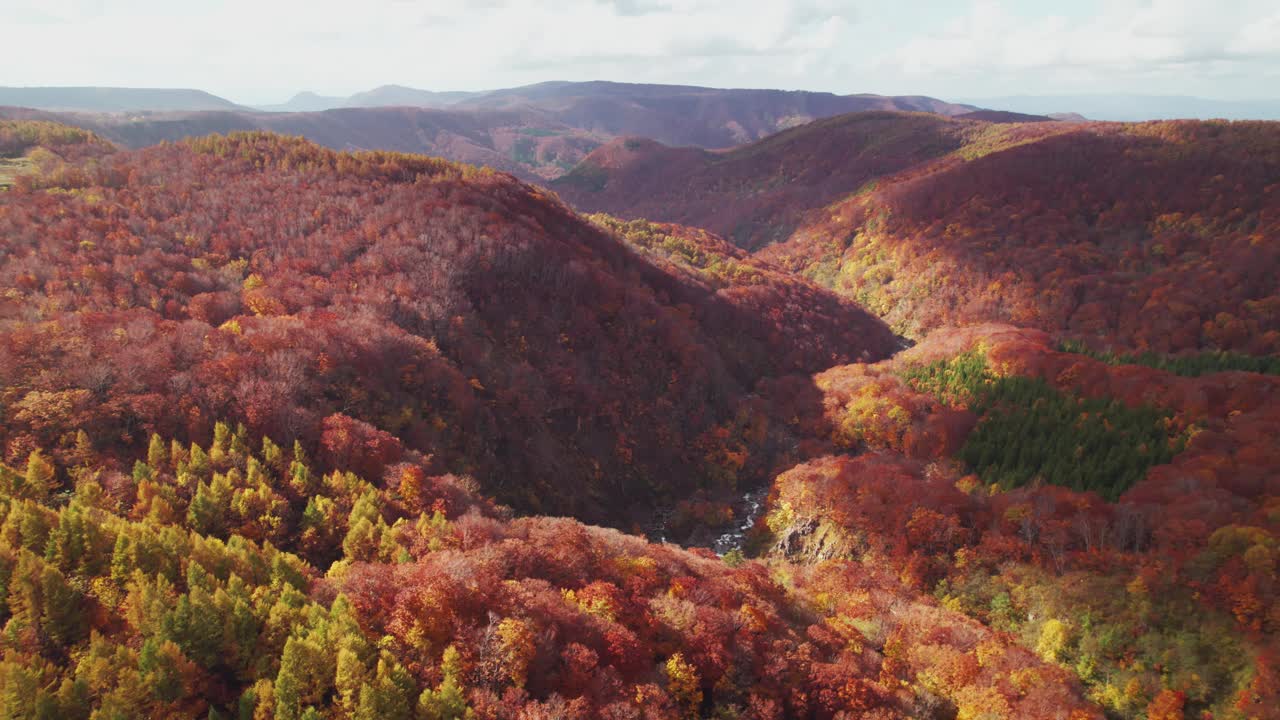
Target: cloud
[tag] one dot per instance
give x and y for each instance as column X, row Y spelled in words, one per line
column 585, row 30
column 1259, row 39
column 266, row 50
column 634, row 8
column 1124, row 36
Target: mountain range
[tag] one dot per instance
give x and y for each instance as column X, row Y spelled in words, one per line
column 539, row 131
column 382, row 96
column 1110, row 107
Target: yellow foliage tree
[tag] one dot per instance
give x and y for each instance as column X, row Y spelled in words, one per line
column 39, row 477
column 684, row 684
column 517, row 648
column 1054, row 637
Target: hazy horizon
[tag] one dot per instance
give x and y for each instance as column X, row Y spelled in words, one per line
column 258, row 54
column 1033, row 96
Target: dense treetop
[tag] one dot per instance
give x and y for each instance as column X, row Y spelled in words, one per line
column 232, row 580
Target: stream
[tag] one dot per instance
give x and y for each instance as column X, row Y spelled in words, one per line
column 747, row 509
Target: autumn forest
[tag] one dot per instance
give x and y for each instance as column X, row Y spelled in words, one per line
column 885, row 415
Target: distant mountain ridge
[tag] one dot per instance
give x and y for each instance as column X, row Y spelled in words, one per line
column 560, row 95
column 538, row 132
column 306, row 101
column 723, row 118
column 1137, row 108
column 396, row 95
column 381, row 96
column 1004, row 116
column 113, row 99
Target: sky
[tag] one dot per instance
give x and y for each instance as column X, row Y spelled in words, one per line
column 264, row 51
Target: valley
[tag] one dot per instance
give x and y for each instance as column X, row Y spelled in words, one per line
column 933, row 414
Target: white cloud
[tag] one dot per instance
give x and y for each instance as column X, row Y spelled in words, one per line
column 1259, row 39
column 265, row 50
column 1126, row 39
column 258, row 46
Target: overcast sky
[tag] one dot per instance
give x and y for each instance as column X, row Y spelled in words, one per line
column 258, row 51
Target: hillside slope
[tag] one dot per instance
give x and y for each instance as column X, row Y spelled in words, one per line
column 1157, row 236
column 757, row 194
column 403, row 303
column 1099, row 512
column 221, row 581
column 520, row 142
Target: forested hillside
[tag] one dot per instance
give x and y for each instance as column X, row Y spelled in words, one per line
column 1120, row 521
column 225, row 581
column 420, row 305
column 757, row 194
column 1155, row 236
column 1106, row 233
